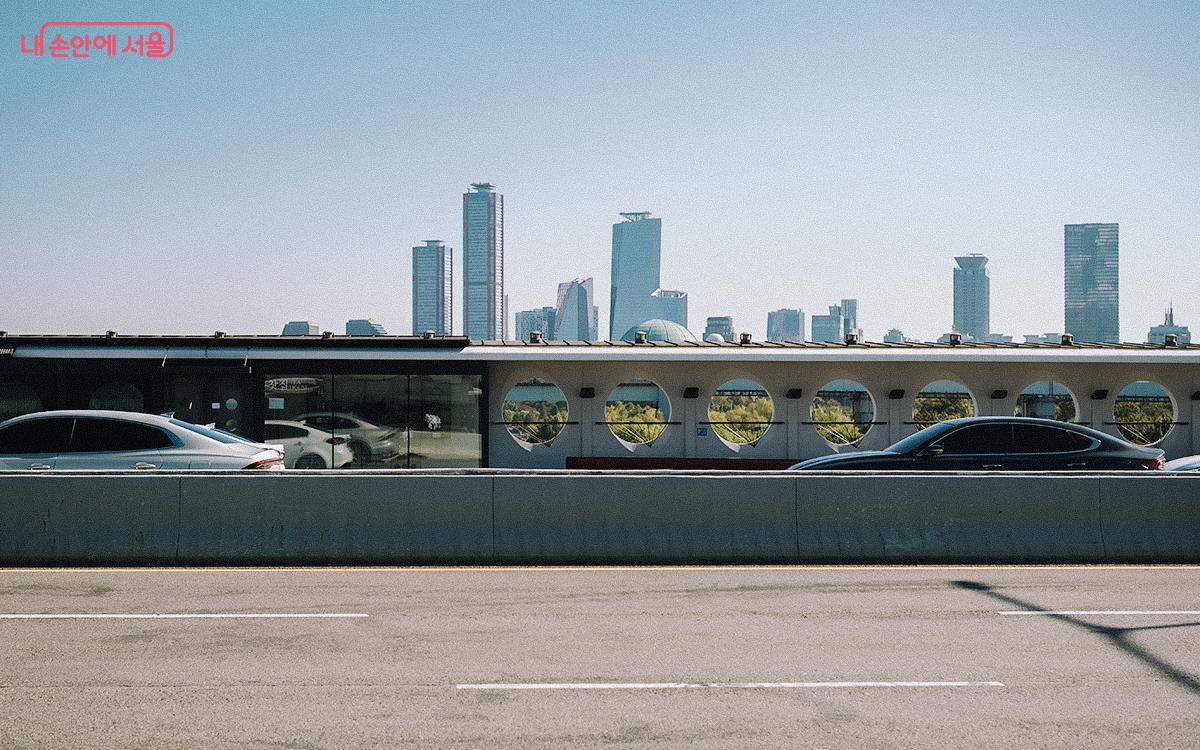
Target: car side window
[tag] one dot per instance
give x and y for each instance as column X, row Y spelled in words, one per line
column 48, row 435
column 321, row 422
column 96, row 435
column 981, row 438
column 342, row 423
column 286, row 431
column 1036, row 438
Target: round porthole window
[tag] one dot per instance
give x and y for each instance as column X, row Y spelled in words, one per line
column 535, row 412
column 740, row 412
column 842, row 412
column 637, row 412
column 942, row 400
column 1047, row 400
column 1144, row 412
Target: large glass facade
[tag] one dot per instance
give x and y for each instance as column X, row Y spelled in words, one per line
column 388, row 421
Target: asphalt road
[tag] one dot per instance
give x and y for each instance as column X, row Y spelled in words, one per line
column 610, row 657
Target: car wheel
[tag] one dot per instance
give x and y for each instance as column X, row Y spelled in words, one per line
column 362, row 453
column 310, row 461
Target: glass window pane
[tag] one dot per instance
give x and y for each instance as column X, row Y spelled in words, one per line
column 371, row 412
column 306, row 399
column 984, row 438
column 444, row 421
column 17, row 399
column 48, row 435
column 95, row 435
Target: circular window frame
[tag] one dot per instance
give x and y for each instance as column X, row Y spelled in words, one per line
column 1119, row 425
column 663, row 424
column 920, row 425
column 718, row 426
column 509, row 425
column 1071, row 393
column 817, row 426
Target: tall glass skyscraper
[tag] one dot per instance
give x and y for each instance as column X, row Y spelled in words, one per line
column 1091, row 309
column 432, row 288
column 636, row 254
column 972, row 297
column 483, row 263
column 540, row 320
column 576, row 317
column 635, row 296
column 785, row 324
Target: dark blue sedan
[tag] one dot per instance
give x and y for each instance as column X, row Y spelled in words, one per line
column 998, row 444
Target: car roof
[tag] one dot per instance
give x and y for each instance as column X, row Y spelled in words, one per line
column 125, row 416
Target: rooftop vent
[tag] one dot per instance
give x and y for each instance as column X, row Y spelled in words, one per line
column 1170, row 339
column 326, row 334
column 851, row 339
column 535, row 337
column 639, row 337
column 218, row 334
column 955, row 339
column 110, row 334
column 1067, row 339
column 3, row 334
column 427, row 335
column 745, row 338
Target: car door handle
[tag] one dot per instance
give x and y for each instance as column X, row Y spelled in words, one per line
column 39, row 466
column 992, row 466
column 144, row 465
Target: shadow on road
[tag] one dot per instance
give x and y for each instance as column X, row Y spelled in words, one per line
column 1119, row 637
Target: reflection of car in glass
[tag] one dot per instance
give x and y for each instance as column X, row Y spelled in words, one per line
column 1187, row 463
column 306, row 447
column 370, row 443
column 998, row 444
column 98, row 439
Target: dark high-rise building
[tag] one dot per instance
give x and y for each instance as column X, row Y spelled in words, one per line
column 850, row 319
column 1091, row 309
column 432, row 288
column 1158, row 334
column 829, row 327
column 721, row 325
column 484, row 313
column 972, row 297
column 785, row 324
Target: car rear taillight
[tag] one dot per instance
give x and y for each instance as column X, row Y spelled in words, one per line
column 1154, row 464
column 266, row 463
column 336, row 440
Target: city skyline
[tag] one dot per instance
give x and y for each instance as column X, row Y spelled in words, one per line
column 883, row 136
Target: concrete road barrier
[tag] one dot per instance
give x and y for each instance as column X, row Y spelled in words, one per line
column 486, row 517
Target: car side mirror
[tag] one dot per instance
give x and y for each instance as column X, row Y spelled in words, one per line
column 932, row 451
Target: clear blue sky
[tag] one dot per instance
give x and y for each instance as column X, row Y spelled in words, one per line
column 282, row 163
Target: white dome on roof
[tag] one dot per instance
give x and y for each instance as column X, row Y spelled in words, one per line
column 662, row 330
column 715, row 338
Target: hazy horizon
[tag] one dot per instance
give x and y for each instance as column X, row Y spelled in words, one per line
column 283, row 162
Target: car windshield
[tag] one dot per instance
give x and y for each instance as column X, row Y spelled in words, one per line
column 914, row 441
column 218, row 435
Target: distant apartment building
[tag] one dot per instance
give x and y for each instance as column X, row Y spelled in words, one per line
column 894, row 336
column 972, row 297
column 1158, row 334
column 850, row 319
column 1043, row 338
column 485, row 314
column 432, row 288
column 785, row 324
column 541, row 320
column 829, row 327
column 721, row 325
column 634, row 294
column 1091, row 279
column 301, row 328
column 364, row 327
column 577, row 317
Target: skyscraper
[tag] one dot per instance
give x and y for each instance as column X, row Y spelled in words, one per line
column 432, row 288
column 576, row 317
column 785, row 324
column 972, row 296
column 364, row 327
column 1158, row 334
column 722, row 325
column 1091, row 255
column 484, row 310
column 301, row 328
column 850, row 319
column 635, row 295
column 829, row 327
column 541, row 319
column 636, row 255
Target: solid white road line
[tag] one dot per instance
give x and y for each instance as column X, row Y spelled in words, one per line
column 710, row 685
column 1149, row 612
column 186, row 616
